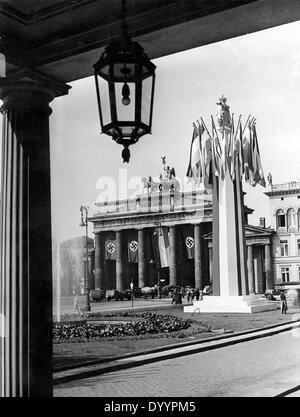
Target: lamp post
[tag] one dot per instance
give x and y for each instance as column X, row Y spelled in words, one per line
column 157, row 263
column 84, row 223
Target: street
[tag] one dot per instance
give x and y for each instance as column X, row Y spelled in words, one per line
column 66, row 304
column 262, row 367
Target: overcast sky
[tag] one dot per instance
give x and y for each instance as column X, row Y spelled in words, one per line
column 258, row 73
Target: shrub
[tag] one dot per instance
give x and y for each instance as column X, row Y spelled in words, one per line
column 152, row 324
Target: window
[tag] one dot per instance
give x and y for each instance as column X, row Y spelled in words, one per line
column 280, row 218
column 298, row 246
column 284, row 248
column 285, row 274
column 291, row 218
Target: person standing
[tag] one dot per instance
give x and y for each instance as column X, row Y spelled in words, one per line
column 179, row 296
column 283, row 303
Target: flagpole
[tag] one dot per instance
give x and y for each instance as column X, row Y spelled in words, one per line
column 246, row 123
column 240, row 228
column 205, row 128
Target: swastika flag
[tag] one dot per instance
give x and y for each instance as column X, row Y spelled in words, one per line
column 110, row 250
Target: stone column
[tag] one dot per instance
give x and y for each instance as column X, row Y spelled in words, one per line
column 210, row 265
column 268, row 268
column 99, row 261
column 141, row 259
column 198, row 270
column 251, row 277
column 120, row 267
column 173, row 261
column 26, row 244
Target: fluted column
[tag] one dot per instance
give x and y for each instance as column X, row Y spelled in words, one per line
column 26, row 245
column 198, row 270
column 120, row 267
column 99, row 261
column 268, row 268
column 141, row 258
column 251, row 278
column 173, row 266
column 210, row 265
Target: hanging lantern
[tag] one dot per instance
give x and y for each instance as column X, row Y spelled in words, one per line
column 125, row 79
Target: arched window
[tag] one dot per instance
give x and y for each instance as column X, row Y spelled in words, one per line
column 291, row 218
column 280, row 218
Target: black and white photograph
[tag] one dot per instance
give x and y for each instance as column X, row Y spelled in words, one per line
column 149, row 201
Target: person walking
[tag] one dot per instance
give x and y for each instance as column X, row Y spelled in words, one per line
column 174, row 296
column 283, row 303
column 76, row 306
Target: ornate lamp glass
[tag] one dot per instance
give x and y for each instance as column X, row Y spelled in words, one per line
column 125, row 80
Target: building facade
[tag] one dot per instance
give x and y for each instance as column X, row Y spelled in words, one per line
column 164, row 237
column 284, row 202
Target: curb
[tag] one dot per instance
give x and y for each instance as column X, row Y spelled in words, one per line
column 83, row 371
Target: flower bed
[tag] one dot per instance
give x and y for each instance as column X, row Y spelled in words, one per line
column 151, row 324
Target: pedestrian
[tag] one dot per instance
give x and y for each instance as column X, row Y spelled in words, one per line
column 76, row 306
column 179, row 297
column 197, row 294
column 283, row 303
column 174, row 296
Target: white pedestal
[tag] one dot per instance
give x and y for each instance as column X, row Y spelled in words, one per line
column 231, row 304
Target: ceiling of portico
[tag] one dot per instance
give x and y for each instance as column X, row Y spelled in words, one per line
column 64, row 38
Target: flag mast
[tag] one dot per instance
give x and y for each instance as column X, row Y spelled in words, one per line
column 229, row 157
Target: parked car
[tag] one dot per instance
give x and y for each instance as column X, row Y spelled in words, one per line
column 168, row 290
column 117, row 295
column 272, row 295
column 208, row 290
column 137, row 292
column 149, row 291
column 97, row 294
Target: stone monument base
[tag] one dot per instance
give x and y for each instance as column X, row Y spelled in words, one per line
column 232, row 304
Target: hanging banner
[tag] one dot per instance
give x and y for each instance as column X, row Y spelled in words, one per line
column 154, row 253
column 189, row 242
column 110, row 250
column 132, row 246
column 164, row 247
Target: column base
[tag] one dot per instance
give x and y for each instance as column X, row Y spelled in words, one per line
column 232, row 304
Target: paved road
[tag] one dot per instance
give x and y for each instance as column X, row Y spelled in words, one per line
column 262, row 367
column 66, row 304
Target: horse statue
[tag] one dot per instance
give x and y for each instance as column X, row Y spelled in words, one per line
column 150, row 185
column 160, row 185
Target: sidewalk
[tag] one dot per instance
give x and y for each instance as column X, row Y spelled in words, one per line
column 130, row 360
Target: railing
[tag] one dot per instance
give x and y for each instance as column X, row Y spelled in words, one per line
column 285, row 186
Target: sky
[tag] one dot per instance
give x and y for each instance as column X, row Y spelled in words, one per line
column 259, row 74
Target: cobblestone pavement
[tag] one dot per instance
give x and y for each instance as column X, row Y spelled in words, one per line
column 261, row 367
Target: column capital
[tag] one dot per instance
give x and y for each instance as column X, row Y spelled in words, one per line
column 30, row 89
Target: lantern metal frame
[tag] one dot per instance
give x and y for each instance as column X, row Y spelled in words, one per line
column 122, row 62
